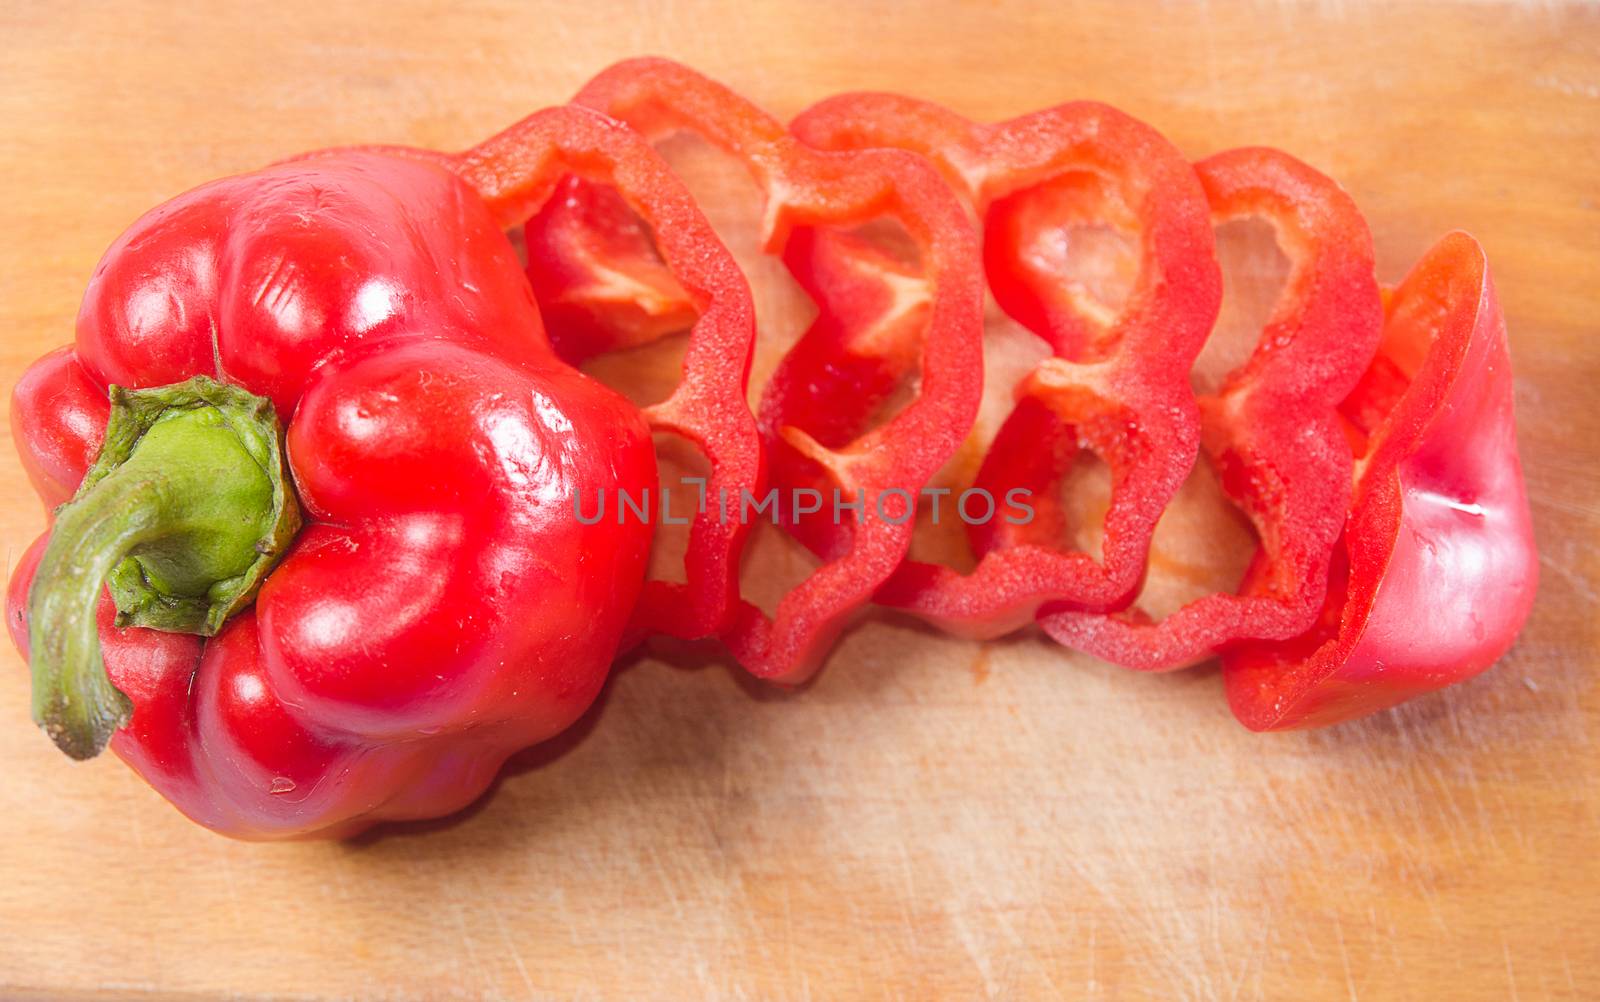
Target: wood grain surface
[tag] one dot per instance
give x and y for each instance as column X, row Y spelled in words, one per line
column 933, row 817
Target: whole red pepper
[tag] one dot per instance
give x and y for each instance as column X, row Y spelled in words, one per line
column 1436, row 570
column 441, row 607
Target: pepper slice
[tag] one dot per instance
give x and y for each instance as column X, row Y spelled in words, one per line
column 1273, row 431
column 1436, row 570
column 547, row 159
column 817, row 410
column 1118, row 387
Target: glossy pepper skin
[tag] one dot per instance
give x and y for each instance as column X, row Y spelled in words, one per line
column 441, row 608
column 1436, row 570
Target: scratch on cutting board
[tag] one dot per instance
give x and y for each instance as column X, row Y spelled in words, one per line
column 466, row 938
column 1567, row 574
column 511, row 946
column 908, row 879
column 1511, row 973
column 1165, row 924
column 788, row 933
column 1057, row 935
column 1252, row 962
column 664, row 879
column 975, row 953
column 1091, row 982
column 1572, row 88
column 1344, row 959
column 1543, row 499
column 1022, row 945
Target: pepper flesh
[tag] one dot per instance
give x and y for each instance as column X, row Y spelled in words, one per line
column 441, row 609
column 817, row 410
column 1118, row 388
column 598, row 275
column 1273, row 431
column 1436, row 571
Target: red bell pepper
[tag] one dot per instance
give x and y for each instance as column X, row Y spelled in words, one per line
column 441, row 607
column 1436, row 570
column 818, row 409
column 1118, row 388
column 1273, row 432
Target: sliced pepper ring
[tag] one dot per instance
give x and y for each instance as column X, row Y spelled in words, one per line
column 1273, row 431
column 828, row 388
column 1120, row 389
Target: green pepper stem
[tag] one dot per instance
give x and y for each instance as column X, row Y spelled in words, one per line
column 73, row 699
column 182, row 516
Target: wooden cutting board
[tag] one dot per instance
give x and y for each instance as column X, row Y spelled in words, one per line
column 933, row 817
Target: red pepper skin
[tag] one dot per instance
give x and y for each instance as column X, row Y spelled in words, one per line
column 61, row 413
column 1274, row 431
column 441, row 608
column 1437, row 569
column 818, row 409
column 1120, row 389
column 574, row 167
